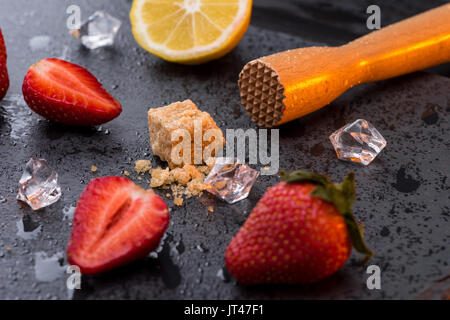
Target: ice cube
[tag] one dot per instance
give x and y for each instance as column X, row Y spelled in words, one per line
column 358, row 142
column 38, row 186
column 98, row 31
column 230, row 179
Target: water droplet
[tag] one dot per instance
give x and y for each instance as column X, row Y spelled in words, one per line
column 16, row 116
column 41, row 42
column 65, row 53
column 68, row 212
column 223, row 275
column 202, row 248
column 48, row 269
column 26, row 234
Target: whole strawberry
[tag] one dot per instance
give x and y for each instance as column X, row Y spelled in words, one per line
column 4, row 79
column 301, row 231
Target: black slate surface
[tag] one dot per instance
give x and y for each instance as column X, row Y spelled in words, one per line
column 403, row 195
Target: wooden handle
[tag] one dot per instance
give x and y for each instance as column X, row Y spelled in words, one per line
column 287, row 85
column 410, row 45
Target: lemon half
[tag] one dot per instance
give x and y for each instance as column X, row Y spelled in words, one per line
column 189, row 31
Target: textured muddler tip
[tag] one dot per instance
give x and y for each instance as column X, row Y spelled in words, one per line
column 262, row 93
column 287, row 85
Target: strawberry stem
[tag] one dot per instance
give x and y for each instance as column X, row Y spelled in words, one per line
column 342, row 196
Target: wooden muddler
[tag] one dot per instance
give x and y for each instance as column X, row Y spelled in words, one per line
column 290, row 84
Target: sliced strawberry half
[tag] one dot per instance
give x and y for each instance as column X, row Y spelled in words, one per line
column 4, row 79
column 115, row 222
column 64, row 92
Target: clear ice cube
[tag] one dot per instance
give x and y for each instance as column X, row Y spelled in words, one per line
column 358, row 142
column 38, row 186
column 98, row 31
column 230, row 179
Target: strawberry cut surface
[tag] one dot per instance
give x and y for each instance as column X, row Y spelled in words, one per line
column 4, row 78
column 64, row 92
column 115, row 222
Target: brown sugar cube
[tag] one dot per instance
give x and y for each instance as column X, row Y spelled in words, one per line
column 164, row 123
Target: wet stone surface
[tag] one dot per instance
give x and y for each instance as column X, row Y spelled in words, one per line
column 402, row 196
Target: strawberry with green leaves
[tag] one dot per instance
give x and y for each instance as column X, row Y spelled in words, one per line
column 302, row 230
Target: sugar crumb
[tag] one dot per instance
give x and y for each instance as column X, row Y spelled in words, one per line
column 142, row 166
column 196, row 186
column 178, row 201
column 184, row 182
column 210, row 162
column 94, row 168
column 204, row 169
column 159, row 177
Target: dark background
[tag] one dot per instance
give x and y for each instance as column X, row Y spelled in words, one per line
column 403, row 195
